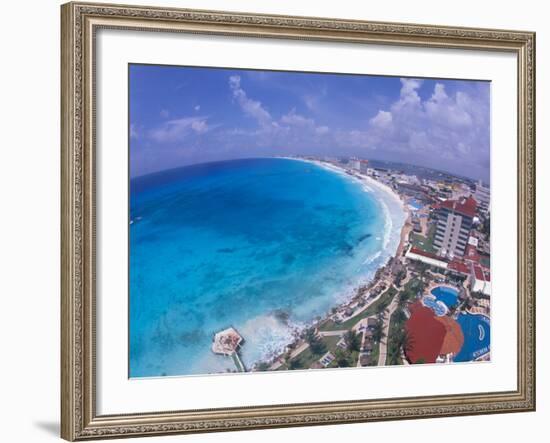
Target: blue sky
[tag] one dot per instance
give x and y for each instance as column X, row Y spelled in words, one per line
column 184, row 115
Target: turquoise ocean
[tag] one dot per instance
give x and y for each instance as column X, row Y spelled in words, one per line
column 263, row 245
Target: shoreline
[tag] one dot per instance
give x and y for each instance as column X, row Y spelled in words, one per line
column 362, row 288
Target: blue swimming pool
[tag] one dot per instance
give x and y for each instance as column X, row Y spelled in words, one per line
column 477, row 336
column 439, row 308
column 447, row 295
column 415, row 204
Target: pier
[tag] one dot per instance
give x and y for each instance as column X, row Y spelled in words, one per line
column 228, row 343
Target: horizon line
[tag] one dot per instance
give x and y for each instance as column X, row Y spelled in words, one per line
column 290, row 157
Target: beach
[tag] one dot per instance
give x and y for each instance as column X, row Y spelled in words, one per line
column 352, row 302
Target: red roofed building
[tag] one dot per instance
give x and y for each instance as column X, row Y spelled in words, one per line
column 480, row 279
column 459, row 267
column 472, row 254
column 463, row 206
column 454, row 222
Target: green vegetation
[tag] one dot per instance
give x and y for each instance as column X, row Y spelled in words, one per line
column 375, row 354
column 397, row 337
column 306, row 358
column 380, row 304
column 344, row 359
column 425, row 243
column 296, row 363
column 348, row 357
column 302, row 361
column 262, row 366
column 399, row 278
column 316, row 345
column 413, row 287
column 331, row 342
column 353, row 341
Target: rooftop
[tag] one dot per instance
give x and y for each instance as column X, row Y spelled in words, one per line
column 423, row 253
column 481, row 273
column 226, row 342
column 459, row 266
column 464, row 206
column 426, row 257
column 471, row 253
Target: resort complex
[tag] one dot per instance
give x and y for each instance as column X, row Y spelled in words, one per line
column 428, row 303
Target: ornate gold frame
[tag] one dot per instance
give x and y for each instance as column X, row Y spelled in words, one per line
column 79, row 420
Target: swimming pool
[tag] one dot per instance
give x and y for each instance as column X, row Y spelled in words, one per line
column 440, row 309
column 447, row 295
column 415, row 204
column 477, row 336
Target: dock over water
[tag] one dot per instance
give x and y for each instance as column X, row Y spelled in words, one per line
column 228, row 343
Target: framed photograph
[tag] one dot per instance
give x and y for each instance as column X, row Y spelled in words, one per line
column 282, row 221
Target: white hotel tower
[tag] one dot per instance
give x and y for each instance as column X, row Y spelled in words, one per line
column 454, row 222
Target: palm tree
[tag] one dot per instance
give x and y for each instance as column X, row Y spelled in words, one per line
column 316, row 345
column 402, row 340
column 343, row 359
column 402, row 299
column 295, row 364
column 262, row 366
column 378, row 331
column 394, row 353
column 422, row 269
column 399, row 316
column 381, row 313
column 381, row 310
column 353, row 341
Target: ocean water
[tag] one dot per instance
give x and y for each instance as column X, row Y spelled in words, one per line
column 263, row 245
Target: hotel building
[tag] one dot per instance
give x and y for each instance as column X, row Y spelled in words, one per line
column 454, row 222
column 482, row 195
column 354, row 164
column 480, row 279
column 363, row 166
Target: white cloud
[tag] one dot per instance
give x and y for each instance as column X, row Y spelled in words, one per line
column 290, row 129
column 382, row 120
column 451, row 127
column 294, row 119
column 408, row 96
column 447, row 111
column 174, row 130
column 197, row 108
column 199, row 126
column 253, row 108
